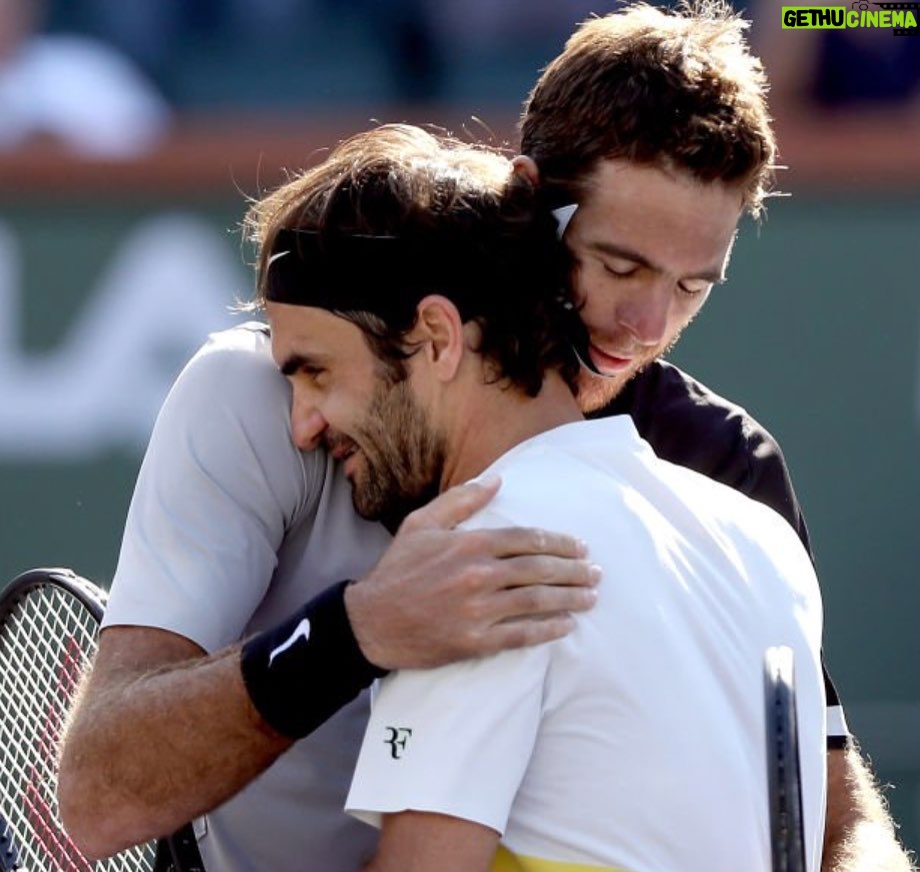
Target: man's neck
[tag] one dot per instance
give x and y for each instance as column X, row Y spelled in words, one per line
column 498, row 417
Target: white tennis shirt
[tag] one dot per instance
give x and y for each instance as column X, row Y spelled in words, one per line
column 638, row 742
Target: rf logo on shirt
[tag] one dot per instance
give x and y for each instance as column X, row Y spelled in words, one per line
column 396, row 739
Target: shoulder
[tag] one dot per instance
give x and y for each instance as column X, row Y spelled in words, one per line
column 688, row 423
column 220, row 488
column 232, row 378
column 691, row 425
column 251, row 337
column 227, row 418
column 663, row 395
column 551, row 478
column 236, row 362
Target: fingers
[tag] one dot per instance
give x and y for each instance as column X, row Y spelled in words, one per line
column 523, row 572
column 521, row 634
column 541, row 601
column 513, row 542
column 440, row 594
column 453, row 506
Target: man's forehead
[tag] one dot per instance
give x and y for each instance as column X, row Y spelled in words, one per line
column 307, row 330
column 628, row 178
column 660, row 214
column 289, row 319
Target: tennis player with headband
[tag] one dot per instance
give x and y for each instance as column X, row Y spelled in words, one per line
column 414, row 292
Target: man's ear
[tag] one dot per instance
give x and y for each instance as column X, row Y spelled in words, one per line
column 526, row 168
column 439, row 330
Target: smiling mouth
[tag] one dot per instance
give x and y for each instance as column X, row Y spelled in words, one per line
column 342, row 451
column 348, row 458
column 348, row 465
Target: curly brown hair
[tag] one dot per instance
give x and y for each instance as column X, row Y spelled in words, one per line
column 460, row 224
column 678, row 90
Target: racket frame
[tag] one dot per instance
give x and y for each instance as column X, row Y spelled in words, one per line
column 784, row 779
column 177, row 853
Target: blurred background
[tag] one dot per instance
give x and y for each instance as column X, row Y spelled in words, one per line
column 132, row 134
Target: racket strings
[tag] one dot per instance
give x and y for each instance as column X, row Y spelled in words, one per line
column 46, row 642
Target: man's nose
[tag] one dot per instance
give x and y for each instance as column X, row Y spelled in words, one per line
column 646, row 313
column 307, row 426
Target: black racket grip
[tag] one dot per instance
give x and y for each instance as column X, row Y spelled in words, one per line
column 178, row 852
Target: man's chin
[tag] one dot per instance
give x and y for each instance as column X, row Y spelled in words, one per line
column 389, row 512
column 370, row 510
column 597, row 391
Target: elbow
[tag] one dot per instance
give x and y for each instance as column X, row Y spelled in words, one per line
column 81, row 816
column 97, row 822
column 87, row 832
column 76, row 816
column 69, row 793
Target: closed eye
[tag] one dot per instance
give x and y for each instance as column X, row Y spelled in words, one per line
column 311, row 374
column 299, row 364
column 620, row 269
column 693, row 290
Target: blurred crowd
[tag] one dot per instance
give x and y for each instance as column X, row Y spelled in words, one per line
column 105, row 76
column 72, row 89
column 833, row 71
column 296, row 52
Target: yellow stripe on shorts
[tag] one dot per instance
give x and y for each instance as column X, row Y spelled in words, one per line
column 505, row 861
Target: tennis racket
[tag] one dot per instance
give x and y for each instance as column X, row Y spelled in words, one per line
column 49, row 620
column 787, row 835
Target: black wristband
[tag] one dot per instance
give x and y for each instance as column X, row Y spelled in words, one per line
column 303, row 671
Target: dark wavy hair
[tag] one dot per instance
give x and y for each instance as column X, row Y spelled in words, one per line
column 677, row 89
column 470, row 229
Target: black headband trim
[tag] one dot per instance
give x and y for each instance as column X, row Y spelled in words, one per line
column 384, row 275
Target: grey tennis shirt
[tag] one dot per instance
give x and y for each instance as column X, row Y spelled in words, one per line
column 231, row 529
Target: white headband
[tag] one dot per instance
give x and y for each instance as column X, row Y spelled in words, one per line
column 563, row 215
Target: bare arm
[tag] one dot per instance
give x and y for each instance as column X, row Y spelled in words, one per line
column 162, row 733
column 415, row 841
column 859, row 835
